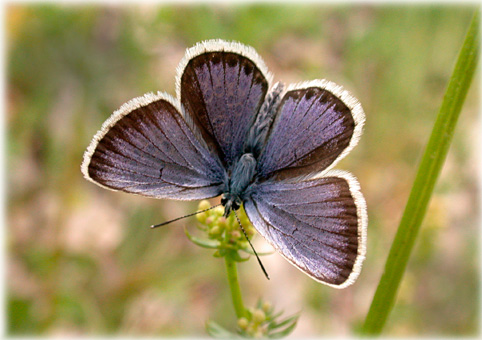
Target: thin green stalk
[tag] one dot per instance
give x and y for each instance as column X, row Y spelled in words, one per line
column 428, row 171
column 232, row 272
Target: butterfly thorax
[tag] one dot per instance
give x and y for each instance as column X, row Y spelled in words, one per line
column 242, row 175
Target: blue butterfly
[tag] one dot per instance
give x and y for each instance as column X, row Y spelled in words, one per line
column 230, row 132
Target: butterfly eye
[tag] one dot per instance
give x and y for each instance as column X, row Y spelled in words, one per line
column 236, row 204
column 224, row 200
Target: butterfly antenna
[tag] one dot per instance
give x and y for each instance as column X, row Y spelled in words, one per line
column 180, row 218
column 254, row 251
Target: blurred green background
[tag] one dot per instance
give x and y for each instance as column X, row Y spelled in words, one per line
column 82, row 261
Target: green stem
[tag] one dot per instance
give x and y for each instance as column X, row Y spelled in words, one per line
column 232, row 271
column 428, row 171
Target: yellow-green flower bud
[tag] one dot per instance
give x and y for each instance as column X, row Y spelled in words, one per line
column 235, row 234
column 250, row 231
column 259, row 316
column 214, row 231
column 202, row 217
column 243, row 244
column 264, row 328
column 243, row 323
column 203, row 205
column 209, row 220
column 266, row 306
column 258, row 334
column 219, row 211
column 250, row 329
column 222, row 222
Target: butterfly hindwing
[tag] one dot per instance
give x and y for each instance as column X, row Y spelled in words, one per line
column 317, row 123
column 222, row 90
column 319, row 225
column 147, row 148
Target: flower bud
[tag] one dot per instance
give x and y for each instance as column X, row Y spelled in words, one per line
column 203, row 205
column 250, row 231
column 258, row 334
column 222, row 222
column 214, row 231
column 218, row 211
column 235, row 234
column 243, row 244
column 259, row 316
column 266, row 306
column 202, row 217
column 243, row 323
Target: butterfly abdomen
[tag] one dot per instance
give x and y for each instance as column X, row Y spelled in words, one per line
column 258, row 133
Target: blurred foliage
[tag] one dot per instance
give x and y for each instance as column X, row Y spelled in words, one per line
column 429, row 169
column 82, row 260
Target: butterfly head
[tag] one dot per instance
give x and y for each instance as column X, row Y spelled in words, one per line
column 230, row 202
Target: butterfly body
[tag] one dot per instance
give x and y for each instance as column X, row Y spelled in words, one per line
column 245, row 169
column 268, row 148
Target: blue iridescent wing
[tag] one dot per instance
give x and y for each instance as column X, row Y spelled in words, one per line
column 316, row 125
column 318, row 225
column 222, row 85
column 147, row 148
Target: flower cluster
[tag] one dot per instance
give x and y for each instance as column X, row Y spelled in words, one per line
column 223, row 233
column 259, row 322
column 256, row 324
column 226, row 236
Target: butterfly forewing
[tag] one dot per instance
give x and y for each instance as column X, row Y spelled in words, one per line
column 222, row 92
column 312, row 129
column 318, row 225
column 147, row 148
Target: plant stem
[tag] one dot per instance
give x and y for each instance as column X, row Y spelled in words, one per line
column 428, row 171
column 232, row 272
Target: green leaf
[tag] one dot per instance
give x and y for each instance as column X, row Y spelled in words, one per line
column 287, row 330
column 210, row 244
column 276, row 325
column 250, row 252
column 236, row 257
column 219, row 332
column 278, row 314
column 427, row 174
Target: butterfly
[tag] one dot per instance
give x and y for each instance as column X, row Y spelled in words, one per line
column 231, row 132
